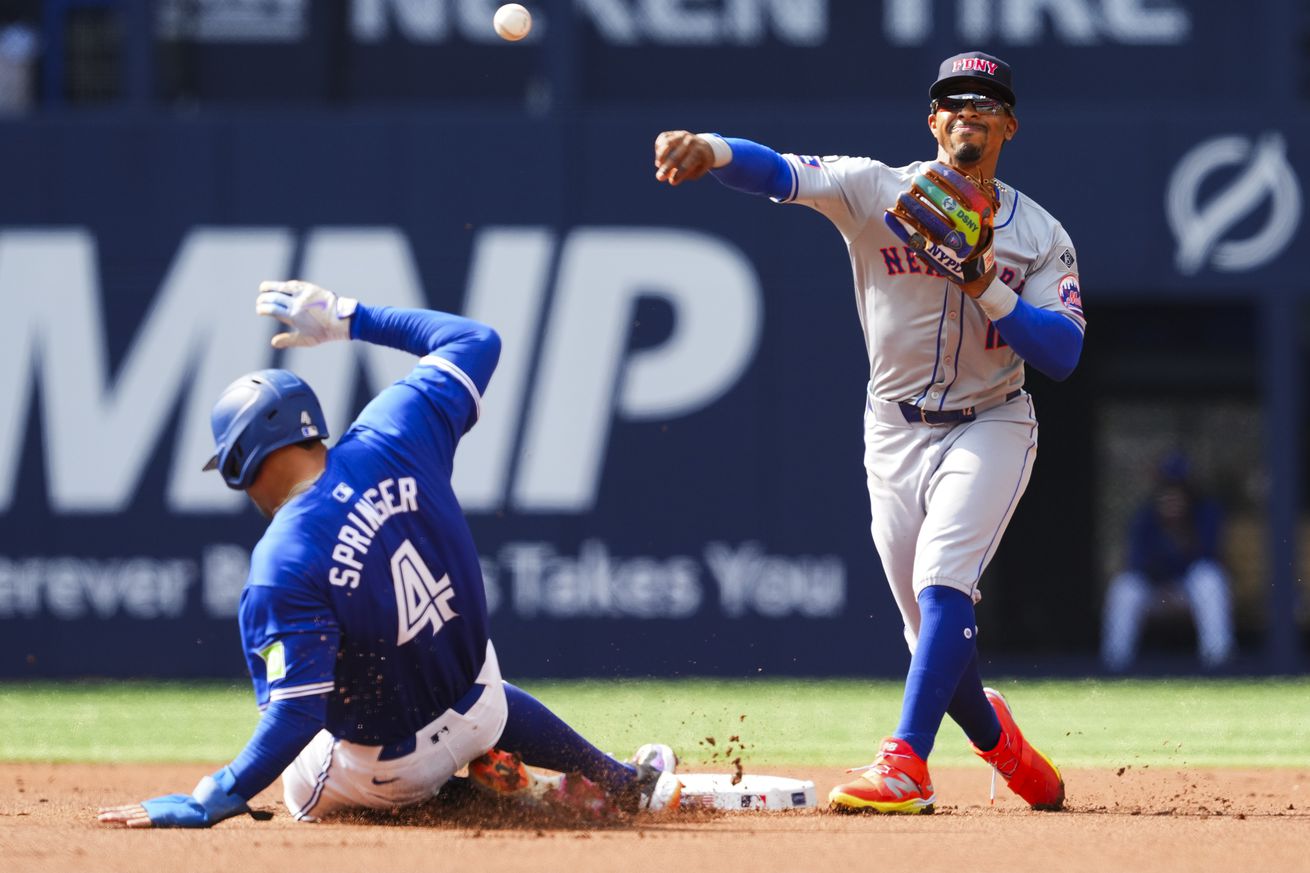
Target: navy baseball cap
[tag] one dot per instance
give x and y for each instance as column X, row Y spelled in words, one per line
column 974, row 72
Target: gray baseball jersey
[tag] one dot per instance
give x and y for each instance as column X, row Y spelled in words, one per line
column 928, row 343
column 941, row 497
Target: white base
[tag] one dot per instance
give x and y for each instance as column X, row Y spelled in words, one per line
column 716, row 791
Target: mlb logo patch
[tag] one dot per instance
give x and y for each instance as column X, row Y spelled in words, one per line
column 808, row 160
column 343, row 492
column 1070, row 295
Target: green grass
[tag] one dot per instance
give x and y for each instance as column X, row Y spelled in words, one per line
column 1085, row 723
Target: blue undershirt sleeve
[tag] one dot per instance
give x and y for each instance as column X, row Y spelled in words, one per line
column 470, row 345
column 286, row 727
column 1049, row 341
column 755, row 169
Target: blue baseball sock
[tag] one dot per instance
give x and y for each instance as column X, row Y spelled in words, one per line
column 971, row 711
column 946, row 645
column 542, row 739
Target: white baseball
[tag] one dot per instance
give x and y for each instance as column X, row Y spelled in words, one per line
column 512, row 22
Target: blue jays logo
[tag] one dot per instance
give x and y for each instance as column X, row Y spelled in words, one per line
column 1070, row 296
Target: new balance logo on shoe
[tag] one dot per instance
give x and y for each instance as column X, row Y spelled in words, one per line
column 900, row 785
column 896, row 782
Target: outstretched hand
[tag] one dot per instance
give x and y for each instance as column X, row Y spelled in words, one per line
column 133, row 815
column 169, row 811
column 315, row 314
column 212, row 801
column 681, row 156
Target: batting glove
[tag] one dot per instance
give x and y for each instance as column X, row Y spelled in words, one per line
column 315, row 314
column 210, row 803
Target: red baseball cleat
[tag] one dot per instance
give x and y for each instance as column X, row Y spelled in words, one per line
column 501, row 773
column 896, row 782
column 1028, row 772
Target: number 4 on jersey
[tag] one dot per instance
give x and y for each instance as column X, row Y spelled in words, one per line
column 420, row 598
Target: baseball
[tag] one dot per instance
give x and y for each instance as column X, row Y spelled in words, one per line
column 512, row 22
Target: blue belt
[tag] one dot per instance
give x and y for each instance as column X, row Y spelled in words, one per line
column 919, row 415
column 401, row 748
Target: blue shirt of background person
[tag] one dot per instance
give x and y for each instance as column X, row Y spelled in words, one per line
column 1175, row 528
column 1174, row 552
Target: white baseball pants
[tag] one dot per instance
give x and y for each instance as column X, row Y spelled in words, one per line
column 942, row 495
column 1131, row 598
column 331, row 774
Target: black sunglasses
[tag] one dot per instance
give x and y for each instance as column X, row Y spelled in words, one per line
column 982, row 104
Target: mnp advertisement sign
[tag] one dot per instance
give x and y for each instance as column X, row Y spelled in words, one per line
column 667, row 477
column 645, row 483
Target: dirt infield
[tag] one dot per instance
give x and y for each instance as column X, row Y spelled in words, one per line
column 1134, row 819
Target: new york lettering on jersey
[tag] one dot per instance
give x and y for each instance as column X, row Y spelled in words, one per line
column 929, row 336
column 901, row 260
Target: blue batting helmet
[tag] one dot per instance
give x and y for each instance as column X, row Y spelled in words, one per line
column 258, row 414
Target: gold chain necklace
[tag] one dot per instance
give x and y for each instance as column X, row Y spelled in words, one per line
column 990, row 187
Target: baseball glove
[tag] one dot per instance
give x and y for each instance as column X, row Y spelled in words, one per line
column 946, row 217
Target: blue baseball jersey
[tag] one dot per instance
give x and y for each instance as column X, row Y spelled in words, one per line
column 1164, row 554
column 367, row 586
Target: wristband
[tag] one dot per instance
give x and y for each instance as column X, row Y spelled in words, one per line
column 998, row 300
column 722, row 151
column 214, row 793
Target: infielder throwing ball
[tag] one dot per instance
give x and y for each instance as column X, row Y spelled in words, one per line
column 364, row 619
column 959, row 279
